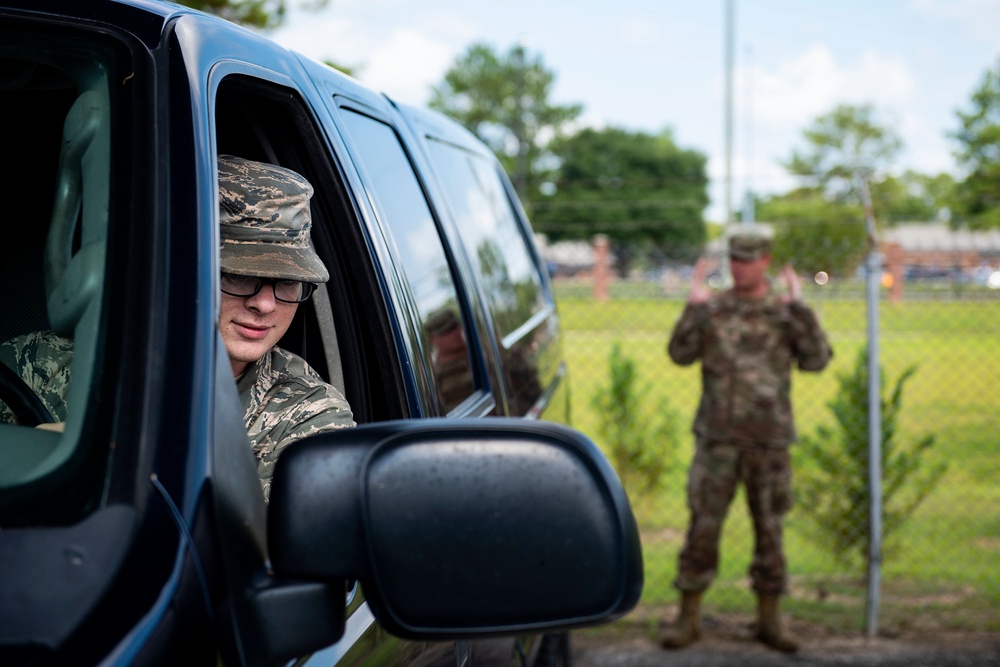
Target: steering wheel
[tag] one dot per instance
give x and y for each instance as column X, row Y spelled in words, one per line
column 28, row 409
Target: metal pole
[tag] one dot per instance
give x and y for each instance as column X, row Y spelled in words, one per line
column 521, row 170
column 748, row 202
column 874, row 275
column 730, row 10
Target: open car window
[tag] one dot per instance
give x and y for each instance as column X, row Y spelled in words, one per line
column 340, row 331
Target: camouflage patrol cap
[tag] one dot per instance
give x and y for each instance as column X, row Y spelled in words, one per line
column 264, row 222
column 749, row 245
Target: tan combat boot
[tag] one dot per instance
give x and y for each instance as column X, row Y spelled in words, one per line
column 769, row 625
column 687, row 629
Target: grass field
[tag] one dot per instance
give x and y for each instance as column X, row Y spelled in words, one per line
column 942, row 568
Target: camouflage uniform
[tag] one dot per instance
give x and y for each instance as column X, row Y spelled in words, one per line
column 42, row 359
column 285, row 400
column 744, row 423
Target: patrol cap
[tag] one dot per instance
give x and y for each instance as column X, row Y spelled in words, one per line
column 441, row 321
column 749, row 245
column 264, row 222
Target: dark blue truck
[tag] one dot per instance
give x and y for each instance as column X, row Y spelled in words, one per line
column 459, row 524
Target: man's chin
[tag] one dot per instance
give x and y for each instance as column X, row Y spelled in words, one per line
column 247, row 352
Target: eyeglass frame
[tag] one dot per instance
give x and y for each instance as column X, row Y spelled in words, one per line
column 307, row 287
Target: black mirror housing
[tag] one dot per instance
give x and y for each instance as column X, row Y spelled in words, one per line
column 460, row 528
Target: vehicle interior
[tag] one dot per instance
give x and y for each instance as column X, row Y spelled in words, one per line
column 53, row 258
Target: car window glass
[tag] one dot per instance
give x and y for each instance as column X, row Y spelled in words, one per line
column 58, row 100
column 487, row 223
column 400, row 202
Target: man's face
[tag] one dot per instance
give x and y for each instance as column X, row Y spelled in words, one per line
column 749, row 276
column 252, row 325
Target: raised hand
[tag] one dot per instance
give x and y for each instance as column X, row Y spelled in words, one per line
column 699, row 290
column 793, row 285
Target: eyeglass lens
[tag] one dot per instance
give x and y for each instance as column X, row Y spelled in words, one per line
column 289, row 291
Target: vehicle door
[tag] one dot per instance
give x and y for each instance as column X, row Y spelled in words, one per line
column 350, row 330
column 456, row 372
column 485, row 221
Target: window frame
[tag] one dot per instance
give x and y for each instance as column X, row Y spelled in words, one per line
column 482, row 400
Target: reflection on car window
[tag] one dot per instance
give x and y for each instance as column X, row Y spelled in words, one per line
column 400, row 202
column 491, row 235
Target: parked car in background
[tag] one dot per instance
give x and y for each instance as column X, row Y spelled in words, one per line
column 459, row 523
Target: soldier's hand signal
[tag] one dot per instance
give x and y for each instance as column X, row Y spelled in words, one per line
column 699, row 291
column 792, row 283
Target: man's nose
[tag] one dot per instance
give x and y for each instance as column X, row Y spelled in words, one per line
column 263, row 300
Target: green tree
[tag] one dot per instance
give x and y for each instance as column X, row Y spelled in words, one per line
column 820, row 226
column 640, row 440
column 254, row 13
column 504, row 100
column 637, row 188
column 843, row 144
column 832, row 469
column 979, row 154
column 913, row 197
column 814, row 234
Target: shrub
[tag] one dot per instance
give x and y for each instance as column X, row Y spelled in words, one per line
column 833, row 487
column 640, row 440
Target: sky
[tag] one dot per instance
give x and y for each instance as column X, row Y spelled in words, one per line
column 649, row 65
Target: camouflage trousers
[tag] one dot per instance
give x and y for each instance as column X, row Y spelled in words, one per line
column 716, row 470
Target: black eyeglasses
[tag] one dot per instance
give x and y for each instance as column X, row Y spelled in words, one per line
column 287, row 291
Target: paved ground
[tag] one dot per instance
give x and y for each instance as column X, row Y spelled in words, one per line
column 727, row 644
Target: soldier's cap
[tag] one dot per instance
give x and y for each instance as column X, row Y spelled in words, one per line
column 749, row 246
column 441, row 322
column 264, row 222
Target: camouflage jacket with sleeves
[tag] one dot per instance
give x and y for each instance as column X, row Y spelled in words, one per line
column 283, row 398
column 747, row 347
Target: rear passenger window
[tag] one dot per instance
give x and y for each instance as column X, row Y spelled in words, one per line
column 493, row 240
column 399, row 202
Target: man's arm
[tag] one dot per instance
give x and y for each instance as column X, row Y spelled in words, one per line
column 43, row 360
column 323, row 409
column 809, row 342
column 685, row 344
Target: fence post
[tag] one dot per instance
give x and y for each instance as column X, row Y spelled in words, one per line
column 894, row 265
column 602, row 266
column 874, row 278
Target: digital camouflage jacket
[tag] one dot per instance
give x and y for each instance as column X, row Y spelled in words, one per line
column 747, row 347
column 285, row 400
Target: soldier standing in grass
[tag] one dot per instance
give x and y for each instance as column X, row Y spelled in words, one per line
column 747, row 338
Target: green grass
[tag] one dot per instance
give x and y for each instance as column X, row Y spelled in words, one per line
column 942, row 565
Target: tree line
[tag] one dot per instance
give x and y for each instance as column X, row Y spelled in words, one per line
column 648, row 193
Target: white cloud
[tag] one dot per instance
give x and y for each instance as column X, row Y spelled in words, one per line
column 813, row 83
column 404, row 62
column 927, row 150
column 407, row 65
column 797, row 90
column 325, row 38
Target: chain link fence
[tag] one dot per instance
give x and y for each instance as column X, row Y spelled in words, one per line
column 939, row 321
